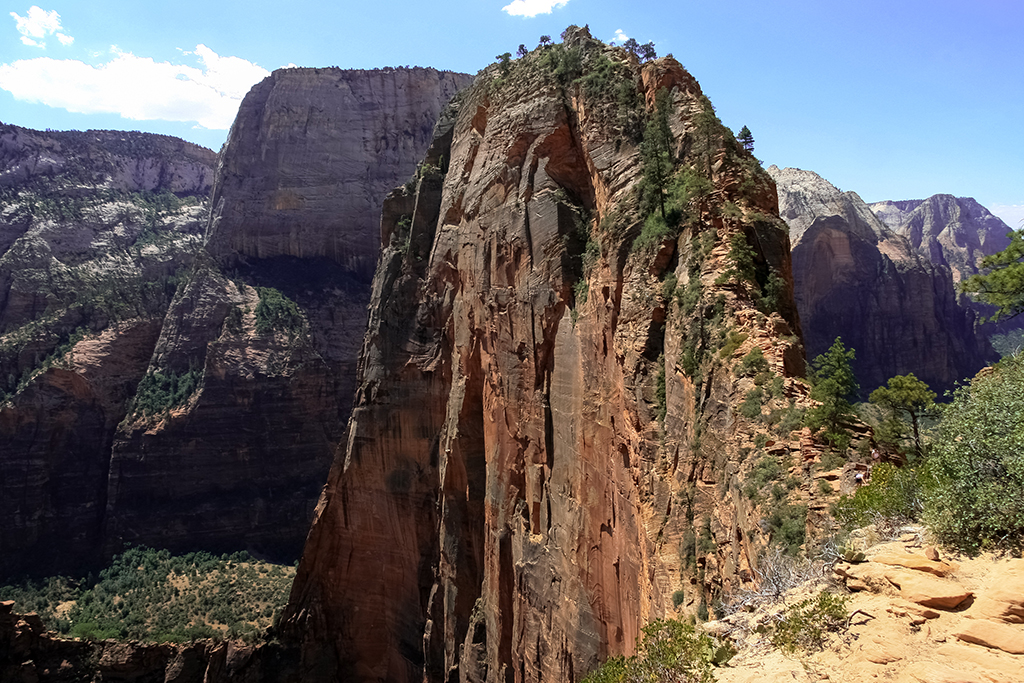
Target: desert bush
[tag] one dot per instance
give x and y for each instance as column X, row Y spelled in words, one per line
column 806, row 625
column 667, row 650
column 893, row 494
column 975, row 492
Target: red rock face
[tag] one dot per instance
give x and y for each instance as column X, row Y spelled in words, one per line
column 503, row 509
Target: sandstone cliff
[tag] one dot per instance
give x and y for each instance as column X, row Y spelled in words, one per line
column 548, row 394
column 855, row 278
column 267, row 328
column 95, row 228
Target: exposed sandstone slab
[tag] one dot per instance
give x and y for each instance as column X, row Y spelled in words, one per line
column 916, row 562
column 994, row 634
column 927, row 590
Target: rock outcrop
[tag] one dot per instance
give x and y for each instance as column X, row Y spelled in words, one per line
column 271, row 319
column 548, row 391
column 905, row 624
column 945, row 230
column 855, row 278
column 95, row 229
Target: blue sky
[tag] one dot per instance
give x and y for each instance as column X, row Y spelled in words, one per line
column 895, row 99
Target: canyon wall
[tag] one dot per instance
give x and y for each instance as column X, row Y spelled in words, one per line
column 857, row 279
column 163, row 393
column 951, row 231
column 272, row 316
column 547, row 407
column 96, row 228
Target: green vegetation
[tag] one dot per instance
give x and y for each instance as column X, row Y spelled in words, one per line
column 787, row 525
column 906, row 394
column 1003, row 285
column 765, row 471
column 893, row 495
column 667, row 650
column 746, row 139
column 806, row 625
column 834, row 386
column 277, row 313
column 656, row 157
column 975, row 496
column 750, row 408
column 151, row 595
column 753, row 363
column 159, row 391
column 733, row 340
column 13, row 384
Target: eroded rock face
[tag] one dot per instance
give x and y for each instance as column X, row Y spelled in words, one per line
column 507, row 505
column 92, row 243
column 855, row 278
column 311, row 155
column 296, row 208
column 952, row 231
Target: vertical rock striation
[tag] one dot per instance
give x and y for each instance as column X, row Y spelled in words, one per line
column 272, row 316
column 536, row 396
column 857, row 279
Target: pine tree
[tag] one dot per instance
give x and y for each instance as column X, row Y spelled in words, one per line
column 1003, row 284
column 746, row 138
column 906, row 394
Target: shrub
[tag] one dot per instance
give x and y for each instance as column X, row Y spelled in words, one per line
column 893, row 494
column 753, row 363
column 678, row 597
column 766, row 470
column 667, row 650
column 733, row 339
column 806, row 625
column 277, row 312
column 750, row 408
column 787, row 526
column 976, row 475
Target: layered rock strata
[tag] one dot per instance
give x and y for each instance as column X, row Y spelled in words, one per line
column 95, row 229
column 951, row 231
column 855, row 278
column 547, row 400
column 271, row 319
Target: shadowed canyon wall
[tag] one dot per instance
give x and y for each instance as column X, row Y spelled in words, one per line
column 200, row 401
column 92, row 244
column 857, row 279
column 547, row 398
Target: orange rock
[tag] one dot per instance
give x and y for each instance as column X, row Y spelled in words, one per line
column 995, row 635
column 928, row 591
column 917, row 562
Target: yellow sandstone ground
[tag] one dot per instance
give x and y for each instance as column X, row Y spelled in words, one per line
column 917, row 616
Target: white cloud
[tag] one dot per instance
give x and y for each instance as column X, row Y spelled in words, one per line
column 620, row 37
column 531, row 8
column 138, row 88
column 39, row 24
column 1012, row 214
